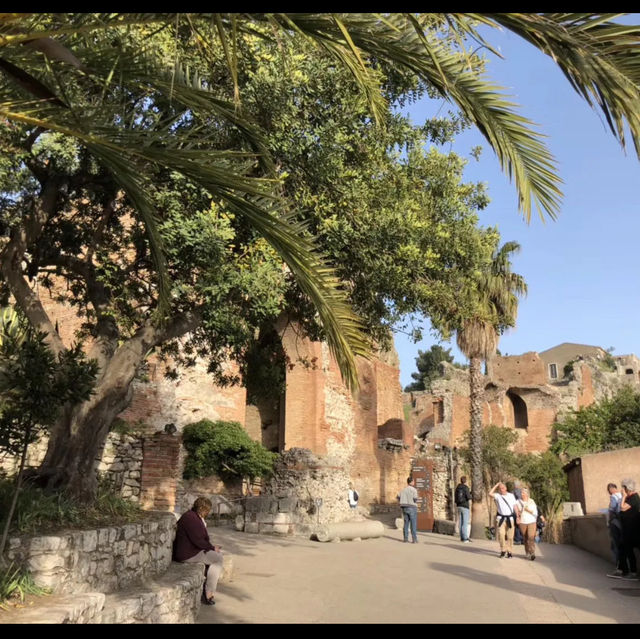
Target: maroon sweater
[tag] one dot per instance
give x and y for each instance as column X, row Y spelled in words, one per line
column 191, row 537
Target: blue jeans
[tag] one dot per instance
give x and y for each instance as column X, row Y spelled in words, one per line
column 463, row 514
column 410, row 515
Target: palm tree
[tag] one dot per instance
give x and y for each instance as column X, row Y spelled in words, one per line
column 44, row 55
column 496, row 301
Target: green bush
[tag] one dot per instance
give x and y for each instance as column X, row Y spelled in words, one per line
column 224, row 449
column 15, row 584
column 40, row 511
column 610, row 424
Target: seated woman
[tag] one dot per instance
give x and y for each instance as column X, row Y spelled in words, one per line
column 192, row 545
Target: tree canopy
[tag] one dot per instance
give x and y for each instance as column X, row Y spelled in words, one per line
column 611, row 423
column 428, row 365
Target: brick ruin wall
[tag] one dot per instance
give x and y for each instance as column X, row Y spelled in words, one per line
column 443, row 412
column 363, row 434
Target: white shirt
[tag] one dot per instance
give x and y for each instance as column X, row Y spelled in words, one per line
column 528, row 511
column 615, row 499
column 408, row 496
column 505, row 508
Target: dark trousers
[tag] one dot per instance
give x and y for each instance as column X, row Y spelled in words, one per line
column 628, row 557
column 615, row 533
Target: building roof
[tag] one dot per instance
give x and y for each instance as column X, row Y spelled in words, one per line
column 589, row 346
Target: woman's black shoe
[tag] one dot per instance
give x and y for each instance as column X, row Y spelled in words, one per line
column 208, row 602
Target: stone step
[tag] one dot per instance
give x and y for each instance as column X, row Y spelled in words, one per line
column 172, row 598
column 56, row 609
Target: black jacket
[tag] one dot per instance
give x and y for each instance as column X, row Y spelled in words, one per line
column 462, row 495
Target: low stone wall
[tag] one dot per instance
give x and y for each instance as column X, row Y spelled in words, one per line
column 103, row 559
column 121, row 464
column 172, row 598
column 590, row 533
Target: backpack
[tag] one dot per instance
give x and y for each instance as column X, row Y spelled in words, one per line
column 355, row 495
column 461, row 495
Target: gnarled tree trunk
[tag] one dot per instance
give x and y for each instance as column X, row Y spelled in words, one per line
column 78, row 437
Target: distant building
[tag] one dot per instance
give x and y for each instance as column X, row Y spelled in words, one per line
column 556, row 358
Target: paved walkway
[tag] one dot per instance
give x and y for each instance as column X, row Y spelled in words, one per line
column 438, row 580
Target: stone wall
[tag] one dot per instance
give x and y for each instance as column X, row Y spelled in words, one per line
column 527, row 369
column 290, row 504
column 597, row 470
column 104, row 559
column 590, row 533
column 121, row 464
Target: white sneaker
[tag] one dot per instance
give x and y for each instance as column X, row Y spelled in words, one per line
column 465, row 541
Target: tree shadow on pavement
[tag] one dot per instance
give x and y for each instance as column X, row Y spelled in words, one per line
column 475, row 550
column 564, row 599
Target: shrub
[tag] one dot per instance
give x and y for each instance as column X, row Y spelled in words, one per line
column 224, row 449
column 40, row 511
column 15, row 584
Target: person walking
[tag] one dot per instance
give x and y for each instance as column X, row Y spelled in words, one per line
column 517, row 493
column 505, row 519
column 614, row 524
column 192, row 545
column 408, row 498
column 526, row 518
column 462, row 498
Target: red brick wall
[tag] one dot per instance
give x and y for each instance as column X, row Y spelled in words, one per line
column 160, row 471
column 586, row 397
column 526, row 369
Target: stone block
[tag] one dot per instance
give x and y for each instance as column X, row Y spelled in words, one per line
column 252, row 527
column 44, row 544
column 45, row 563
column 239, row 523
column 253, row 504
column 444, row 526
column 120, row 548
column 282, row 518
column 286, row 504
column 399, row 522
column 129, row 531
column 266, row 529
column 282, row 529
column 103, row 537
column 265, row 518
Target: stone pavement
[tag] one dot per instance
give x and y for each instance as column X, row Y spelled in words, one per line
column 438, row 580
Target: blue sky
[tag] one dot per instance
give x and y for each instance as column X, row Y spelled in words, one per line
column 583, row 269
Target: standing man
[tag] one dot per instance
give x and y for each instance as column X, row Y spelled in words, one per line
column 505, row 519
column 462, row 498
column 408, row 499
column 615, row 529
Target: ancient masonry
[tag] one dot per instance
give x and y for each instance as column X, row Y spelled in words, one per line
column 523, row 392
column 340, row 436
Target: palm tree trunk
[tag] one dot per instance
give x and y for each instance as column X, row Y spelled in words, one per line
column 478, row 511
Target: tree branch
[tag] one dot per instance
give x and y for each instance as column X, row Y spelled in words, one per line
column 12, row 256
